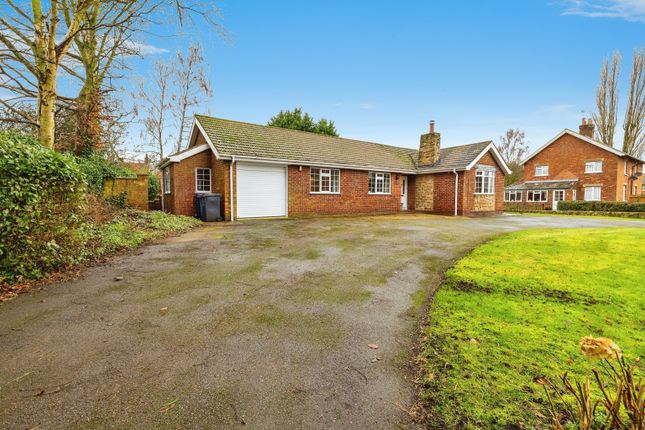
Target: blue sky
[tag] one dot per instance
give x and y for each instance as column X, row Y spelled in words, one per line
column 382, row 69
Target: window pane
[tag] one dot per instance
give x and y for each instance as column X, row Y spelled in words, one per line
column 335, row 180
column 315, row 183
column 324, row 183
column 371, row 182
column 386, row 183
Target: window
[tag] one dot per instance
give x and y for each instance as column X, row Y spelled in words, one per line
column 625, row 167
column 593, row 167
column 485, row 182
column 542, row 170
column 378, row 183
column 592, row 193
column 512, row 196
column 634, row 190
column 203, row 180
column 537, row 196
column 324, row 181
column 166, row 180
column 624, row 193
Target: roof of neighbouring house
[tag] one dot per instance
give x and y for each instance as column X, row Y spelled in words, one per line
column 584, row 138
column 253, row 141
column 562, row 184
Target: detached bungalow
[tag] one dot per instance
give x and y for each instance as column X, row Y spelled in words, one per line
column 263, row 171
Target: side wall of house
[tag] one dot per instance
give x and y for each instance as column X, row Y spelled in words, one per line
column 181, row 200
column 353, row 198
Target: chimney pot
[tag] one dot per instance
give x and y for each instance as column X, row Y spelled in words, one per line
column 432, row 126
column 587, row 128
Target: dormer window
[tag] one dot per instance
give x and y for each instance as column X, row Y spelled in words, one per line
column 542, row 170
column 593, row 167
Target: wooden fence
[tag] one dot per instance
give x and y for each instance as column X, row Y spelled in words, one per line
column 135, row 189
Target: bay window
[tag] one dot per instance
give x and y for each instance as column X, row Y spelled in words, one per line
column 485, row 182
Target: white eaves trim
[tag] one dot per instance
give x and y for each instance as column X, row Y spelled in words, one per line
column 496, row 155
column 183, row 155
column 579, row 136
column 316, row 164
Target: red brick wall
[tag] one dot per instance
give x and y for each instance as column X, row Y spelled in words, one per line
column 444, row 193
column 566, row 159
column 353, row 197
column 181, row 200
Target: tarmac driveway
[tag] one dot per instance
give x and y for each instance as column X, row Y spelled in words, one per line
column 264, row 324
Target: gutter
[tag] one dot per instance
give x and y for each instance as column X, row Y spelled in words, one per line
column 456, row 189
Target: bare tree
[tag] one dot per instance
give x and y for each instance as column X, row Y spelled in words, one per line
column 513, row 149
column 607, row 100
column 634, row 125
column 32, row 48
column 154, row 106
column 192, row 87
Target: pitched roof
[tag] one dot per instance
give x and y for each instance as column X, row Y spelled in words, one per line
column 583, row 138
column 457, row 157
column 245, row 140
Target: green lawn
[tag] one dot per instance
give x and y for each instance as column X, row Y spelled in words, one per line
column 516, row 308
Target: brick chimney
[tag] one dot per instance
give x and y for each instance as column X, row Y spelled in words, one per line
column 429, row 147
column 587, row 127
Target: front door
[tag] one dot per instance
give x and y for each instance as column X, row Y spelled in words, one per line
column 404, row 193
column 558, row 195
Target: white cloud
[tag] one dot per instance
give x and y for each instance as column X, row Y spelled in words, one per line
column 145, row 49
column 366, row 105
column 629, row 10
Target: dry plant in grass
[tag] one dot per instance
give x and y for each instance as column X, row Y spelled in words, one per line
column 621, row 404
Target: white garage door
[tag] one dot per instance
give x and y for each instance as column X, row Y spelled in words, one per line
column 261, row 190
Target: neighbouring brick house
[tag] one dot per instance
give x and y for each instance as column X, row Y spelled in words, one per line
column 575, row 166
column 264, row 171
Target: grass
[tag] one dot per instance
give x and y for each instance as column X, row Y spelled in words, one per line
column 516, row 308
column 130, row 228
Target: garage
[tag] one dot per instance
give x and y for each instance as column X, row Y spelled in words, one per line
column 261, row 190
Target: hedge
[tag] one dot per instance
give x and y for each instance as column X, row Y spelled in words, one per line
column 97, row 171
column 41, row 203
column 600, row 206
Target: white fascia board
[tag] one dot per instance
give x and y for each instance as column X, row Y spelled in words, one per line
column 241, row 158
column 496, row 155
column 579, row 136
column 182, row 156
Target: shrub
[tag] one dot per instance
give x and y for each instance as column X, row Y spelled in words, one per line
column 577, row 205
column 41, row 202
column 97, row 170
column 153, row 186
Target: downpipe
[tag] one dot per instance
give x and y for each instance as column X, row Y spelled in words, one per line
column 456, row 189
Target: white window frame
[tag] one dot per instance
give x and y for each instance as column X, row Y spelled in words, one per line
column 197, row 179
column 542, row 170
column 594, row 166
column 334, row 187
column 593, row 199
column 516, row 193
column 625, row 167
column 531, row 193
column 166, row 180
column 487, row 178
column 376, row 178
column 624, row 192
